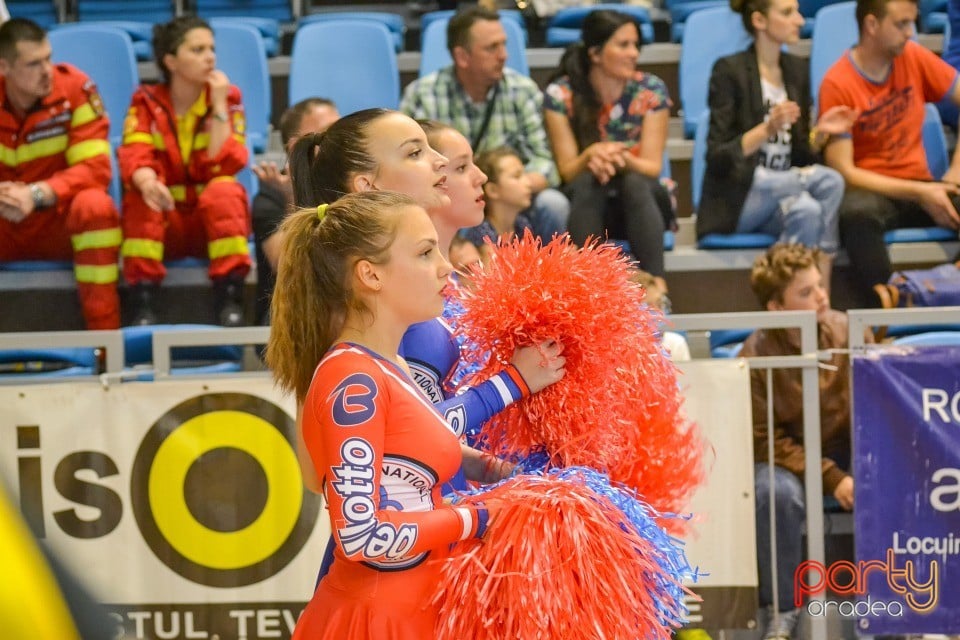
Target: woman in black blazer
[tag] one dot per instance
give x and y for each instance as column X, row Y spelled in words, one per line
column 761, row 174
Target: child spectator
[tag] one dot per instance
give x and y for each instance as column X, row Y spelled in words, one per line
column 674, row 343
column 787, row 278
column 507, row 193
column 463, row 256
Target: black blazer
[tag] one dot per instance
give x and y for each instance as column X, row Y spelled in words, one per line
column 736, row 106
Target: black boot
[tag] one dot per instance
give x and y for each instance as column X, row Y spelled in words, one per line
column 228, row 301
column 142, row 299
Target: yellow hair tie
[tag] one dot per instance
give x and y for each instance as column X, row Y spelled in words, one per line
column 322, row 212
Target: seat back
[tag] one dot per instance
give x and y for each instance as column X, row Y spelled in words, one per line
column 111, row 64
column 834, row 31
column 279, row 10
column 434, row 54
column 269, row 30
column 935, row 142
column 505, row 14
column 353, row 62
column 698, row 163
column 152, row 11
column 138, row 351
column 241, row 55
column 680, row 11
column 393, row 21
column 565, row 26
column 43, row 12
column 930, row 339
column 708, row 35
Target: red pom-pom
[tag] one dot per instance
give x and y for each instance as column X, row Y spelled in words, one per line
column 618, row 407
column 558, row 561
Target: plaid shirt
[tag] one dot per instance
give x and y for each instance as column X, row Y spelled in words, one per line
column 516, row 121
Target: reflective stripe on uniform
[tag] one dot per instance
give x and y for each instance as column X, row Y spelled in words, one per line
column 142, row 248
column 83, row 115
column 81, row 151
column 179, row 192
column 138, row 136
column 96, row 274
column 223, row 247
column 33, row 150
column 102, row 239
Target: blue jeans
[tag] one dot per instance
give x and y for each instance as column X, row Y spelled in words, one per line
column 549, row 213
column 797, row 205
column 791, row 515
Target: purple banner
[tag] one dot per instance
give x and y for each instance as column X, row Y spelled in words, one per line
column 906, row 424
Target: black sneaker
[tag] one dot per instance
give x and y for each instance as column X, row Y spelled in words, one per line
column 228, row 302
column 143, row 299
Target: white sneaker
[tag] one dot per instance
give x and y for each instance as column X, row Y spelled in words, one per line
column 783, row 626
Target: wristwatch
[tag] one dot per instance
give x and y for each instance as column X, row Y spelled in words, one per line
column 39, row 200
column 220, row 115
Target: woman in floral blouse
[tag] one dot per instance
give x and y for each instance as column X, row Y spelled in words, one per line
column 607, row 124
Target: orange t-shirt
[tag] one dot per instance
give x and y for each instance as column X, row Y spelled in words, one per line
column 887, row 135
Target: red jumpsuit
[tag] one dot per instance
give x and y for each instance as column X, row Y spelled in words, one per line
column 382, row 451
column 211, row 218
column 63, row 141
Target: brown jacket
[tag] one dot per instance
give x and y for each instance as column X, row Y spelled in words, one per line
column 788, row 399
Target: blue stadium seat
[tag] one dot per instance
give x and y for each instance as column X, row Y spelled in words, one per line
column 834, row 30
column 267, row 30
column 709, row 34
column 933, row 15
column 736, row 241
column 935, row 146
column 138, row 352
column 726, row 343
column 435, row 56
column 935, row 142
column 269, row 10
column 352, row 62
column 43, row 12
column 683, row 9
column 505, row 14
column 151, row 11
column 698, row 165
column 111, row 64
column 392, row 21
column 240, row 54
column 565, row 26
column 141, row 34
column 36, row 265
column 930, row 339
column 809, row 9
column 19, row 364
column 937, row 22
column 669, row 242
column 902, row 330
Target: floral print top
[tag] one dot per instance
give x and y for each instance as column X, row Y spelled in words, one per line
column 621, row 121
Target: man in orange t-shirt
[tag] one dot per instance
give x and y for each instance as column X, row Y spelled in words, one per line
column 888, row 78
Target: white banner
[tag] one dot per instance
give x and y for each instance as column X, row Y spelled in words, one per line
column 180, row 503
column 170, row 492
column 717, row 397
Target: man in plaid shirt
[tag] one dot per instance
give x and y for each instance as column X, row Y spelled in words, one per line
column 492, row 106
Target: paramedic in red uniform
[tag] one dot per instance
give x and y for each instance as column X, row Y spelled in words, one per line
column 54, row 170
column 183, row 145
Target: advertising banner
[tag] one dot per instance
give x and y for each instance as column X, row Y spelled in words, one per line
column 907, row 495
column 180, row 504
column 723, row 543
